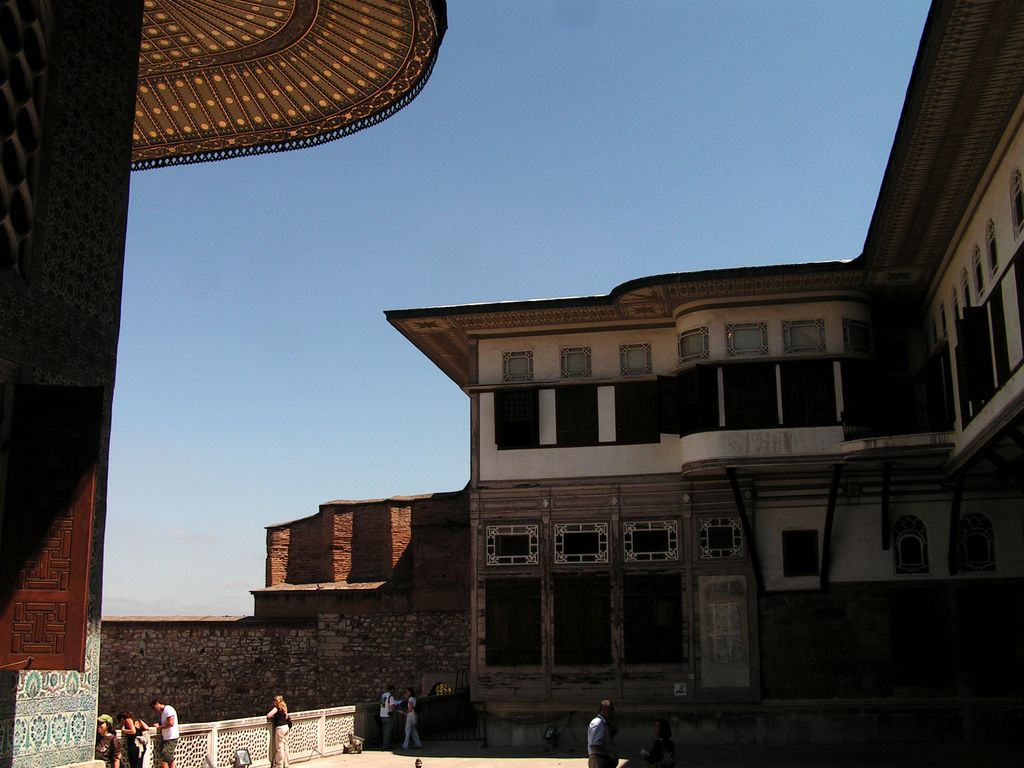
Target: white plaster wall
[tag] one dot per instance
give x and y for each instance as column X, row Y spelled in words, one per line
column 760, row 443
column 993, row 200
column 856, row 550
column 604, row 347
column 553, row 462
column 832, row 312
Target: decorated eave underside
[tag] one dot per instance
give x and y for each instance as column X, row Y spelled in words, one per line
column 444, row 334
column 967, row 82
column 222, row 78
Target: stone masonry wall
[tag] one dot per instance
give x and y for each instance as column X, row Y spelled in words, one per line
column 216, row 669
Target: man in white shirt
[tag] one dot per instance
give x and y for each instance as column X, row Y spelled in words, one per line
column 168, row 732
column 387, row 722
column 599, row 738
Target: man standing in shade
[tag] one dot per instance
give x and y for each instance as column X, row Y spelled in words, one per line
column 168, row 732
column 600, row 733
column 387, row 721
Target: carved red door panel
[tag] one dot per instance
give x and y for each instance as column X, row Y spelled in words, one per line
column 47, row 526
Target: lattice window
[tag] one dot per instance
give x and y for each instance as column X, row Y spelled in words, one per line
column 1017, row 201
column 575, row 362
column 979, row 272
column 910, row 545
column 720, row 538
column 990, row 246
column 513, row 544
column 803, row 335
column 635, row 359
column 856, row 336
column 650, row 540
column 693, row 344
column 746, row 339
column 517, row 366
column 976, row 543
column 581, row 542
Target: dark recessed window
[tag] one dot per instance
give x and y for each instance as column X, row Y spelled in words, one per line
column 581, row 542
column 808, row 393
column 636, row 412
column 653, row 613
column 750, row 401
column 516, row 418
column 576, row 415
column 648, row 540
column 513, row 622
column 800, row 553
column 582, row 619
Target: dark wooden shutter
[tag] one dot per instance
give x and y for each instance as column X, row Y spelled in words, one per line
column 978, row 356
column 47, row 526
column 668, row 406
column 999, row 348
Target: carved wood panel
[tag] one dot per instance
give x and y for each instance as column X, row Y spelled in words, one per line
column 47, row 526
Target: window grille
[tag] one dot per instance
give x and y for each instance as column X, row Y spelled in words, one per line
column 693, row 344
column 720, row 538
column 517, row 366
column 746, row 339
column 650, row 540
column 910, row 545
column 581, row 543
column 856, row 336
column 803, row 335
column 512, row 544
column 575, row 362
column 635, row 359
column 976, row 543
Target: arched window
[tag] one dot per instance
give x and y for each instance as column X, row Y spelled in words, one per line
column 1017, row 201
column 910, row 545
column 942, row 321
column 990, row 244
column 979, row 273
column 956, row 306
column 975, row 543
column 966, row 287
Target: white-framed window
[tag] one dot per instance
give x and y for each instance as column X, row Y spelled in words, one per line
column 650, row 540
column 575, row 362
column 720, row 538
column 942, row 321
column 856, row 336
column 990, row 246
column 979, row 272
column 955, row 304
column 965, row 285
column 517, row 366
column 581, row 542
column 1017, row 201
column 976, row 543
column 635, row 359
column 909, row 545
column 746, row 339
column 803, row 335
column 513, row 544
column 693, row 344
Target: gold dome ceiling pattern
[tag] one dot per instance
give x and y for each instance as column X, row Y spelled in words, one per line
column 222, row 78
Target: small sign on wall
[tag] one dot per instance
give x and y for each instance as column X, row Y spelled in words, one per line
column 680, row 689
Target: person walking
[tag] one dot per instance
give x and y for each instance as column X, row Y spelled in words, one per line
column 282, row 723
column 410, row 720
column 600, row 733
column 168, row 732
column 387, row 722
column 663, row 752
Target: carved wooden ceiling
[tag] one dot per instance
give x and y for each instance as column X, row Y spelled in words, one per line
column 221, row 78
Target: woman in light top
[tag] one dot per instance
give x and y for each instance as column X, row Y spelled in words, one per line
column 410, row 720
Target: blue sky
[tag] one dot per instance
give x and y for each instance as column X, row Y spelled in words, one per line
column 560, row 148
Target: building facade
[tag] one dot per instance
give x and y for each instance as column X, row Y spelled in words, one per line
column 750, row 486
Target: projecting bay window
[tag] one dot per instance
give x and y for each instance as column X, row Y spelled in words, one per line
column 750, row 399
column 653, row 619
column 582, row 624
column 513, row 622
column 516, row 418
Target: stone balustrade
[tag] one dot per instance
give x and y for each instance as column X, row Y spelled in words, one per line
column 314, row 733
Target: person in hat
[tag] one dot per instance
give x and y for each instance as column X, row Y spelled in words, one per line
column 108, row 746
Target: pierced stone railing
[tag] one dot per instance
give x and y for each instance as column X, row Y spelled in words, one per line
column 316, row 733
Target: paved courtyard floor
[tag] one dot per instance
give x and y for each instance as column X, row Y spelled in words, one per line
column 473, row 755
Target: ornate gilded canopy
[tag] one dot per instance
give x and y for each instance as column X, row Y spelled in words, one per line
column 222, row 78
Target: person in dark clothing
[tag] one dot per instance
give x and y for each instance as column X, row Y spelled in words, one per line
column 663, row 751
